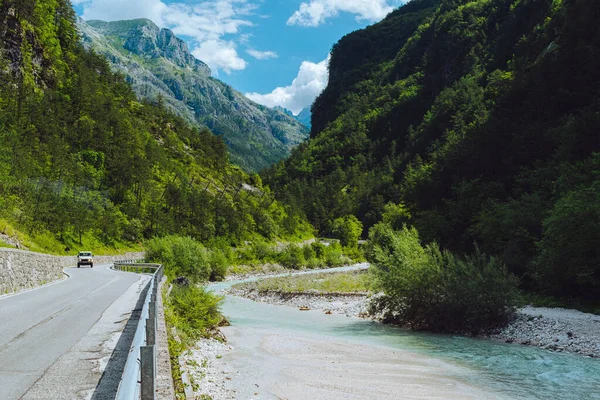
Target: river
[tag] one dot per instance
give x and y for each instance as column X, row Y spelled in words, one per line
column 281, row 352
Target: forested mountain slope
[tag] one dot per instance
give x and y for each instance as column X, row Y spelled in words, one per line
column 157, row 63
column 482, row 118
column 82, row 161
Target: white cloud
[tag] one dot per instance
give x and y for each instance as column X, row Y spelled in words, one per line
column 311, row 80
column 208, row 23
column 315, row 12
column 221, row 53
column 111, row 10
column 262, row 55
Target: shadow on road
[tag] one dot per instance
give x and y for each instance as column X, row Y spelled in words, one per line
column 111, row 377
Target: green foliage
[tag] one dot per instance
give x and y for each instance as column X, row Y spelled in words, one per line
column 431, row 289
column 338, row 282
column 334, row 255
column 395, row 215
column 292, row 257
column 218, row 265
column 193, row 311
column 569, row 251
column 182, row 256
column 260, row 256
column 347, row 229
column 477, row 117
column 81, row 159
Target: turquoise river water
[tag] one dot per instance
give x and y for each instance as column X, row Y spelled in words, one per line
column 510, row 370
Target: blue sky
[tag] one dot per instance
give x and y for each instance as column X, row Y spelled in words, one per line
column 274, row 51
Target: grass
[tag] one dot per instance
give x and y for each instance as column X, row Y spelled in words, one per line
column 337, row 282
column 248, row 269
column 6, row 245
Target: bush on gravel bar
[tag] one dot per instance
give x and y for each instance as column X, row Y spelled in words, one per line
column 430, row 289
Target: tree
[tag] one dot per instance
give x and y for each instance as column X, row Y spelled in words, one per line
column 347, row 229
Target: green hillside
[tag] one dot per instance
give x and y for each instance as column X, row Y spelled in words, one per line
column 84, row 163
column 482, row 119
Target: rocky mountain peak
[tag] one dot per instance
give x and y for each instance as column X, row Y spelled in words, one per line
column 144, row 38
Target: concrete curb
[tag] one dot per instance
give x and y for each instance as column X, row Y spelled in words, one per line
column 165, row 389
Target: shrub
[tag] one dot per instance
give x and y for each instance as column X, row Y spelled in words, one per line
column 333, row 255
column 430, row 289
column 181, row 256
column 194, row 311
column 309, row 254
column 218, row 265
column 395, row 215
column 262, row 252
column 347, row 229
column 292, row 257
column 319, row 249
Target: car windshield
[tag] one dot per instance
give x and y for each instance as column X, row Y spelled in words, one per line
column 85, row 254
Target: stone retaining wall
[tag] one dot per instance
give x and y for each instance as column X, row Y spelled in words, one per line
column 22, row 270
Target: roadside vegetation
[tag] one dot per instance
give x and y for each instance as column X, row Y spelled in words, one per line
column 183, row 256
column 327, row 282
column 191, row 313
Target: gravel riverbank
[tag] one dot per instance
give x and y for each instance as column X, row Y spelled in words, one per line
column 553, row 329
column 556, row 329
column 207, row 372
column 348, row 304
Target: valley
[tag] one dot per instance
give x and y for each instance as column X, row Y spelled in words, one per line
column 426, row 226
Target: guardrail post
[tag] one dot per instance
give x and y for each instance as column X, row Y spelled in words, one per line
column 151, row 331
column 145, row 366
column 148, row 372
column 152, row 310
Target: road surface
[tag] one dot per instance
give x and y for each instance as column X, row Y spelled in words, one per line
column 56, row 341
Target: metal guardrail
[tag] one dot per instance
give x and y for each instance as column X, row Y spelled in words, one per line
column 138, row 381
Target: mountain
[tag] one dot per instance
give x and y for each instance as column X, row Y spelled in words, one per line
column 305, row 117
column 159, row 65
column 85, row 164
column 475, row 122
column 285, row 111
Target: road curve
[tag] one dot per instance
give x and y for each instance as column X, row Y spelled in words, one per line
column 40, row 326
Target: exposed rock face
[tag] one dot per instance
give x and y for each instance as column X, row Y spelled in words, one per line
column 305, row 117
column 143, row 37
column 157, row 63
column 12, row 37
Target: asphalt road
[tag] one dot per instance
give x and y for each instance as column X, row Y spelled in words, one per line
column 50, row 326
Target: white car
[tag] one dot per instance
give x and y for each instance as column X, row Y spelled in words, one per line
column 85, row 258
